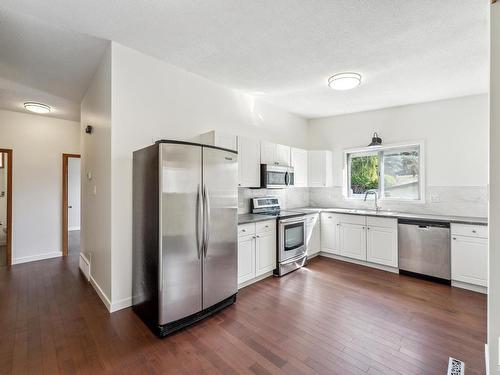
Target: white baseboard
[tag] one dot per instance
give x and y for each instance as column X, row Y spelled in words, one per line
column 474, row 288
column 487, row 359
column 100, row 293
column 84, row 265
column 33, row 258
column 112, row 307
column 360, row 262
column 121, row 304
column 70, row 229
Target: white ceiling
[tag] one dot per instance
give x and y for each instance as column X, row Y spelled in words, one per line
column 45, row 63
column 285, row 50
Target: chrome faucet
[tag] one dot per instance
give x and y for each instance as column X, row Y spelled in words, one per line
column 374, row 192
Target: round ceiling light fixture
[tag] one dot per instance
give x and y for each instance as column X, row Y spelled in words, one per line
column 37, row 107
column 344, row 81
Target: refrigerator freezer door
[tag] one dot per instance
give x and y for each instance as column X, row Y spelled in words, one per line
column 181, row 264
column 220, row 266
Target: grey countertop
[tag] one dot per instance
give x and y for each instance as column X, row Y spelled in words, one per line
column 252, row 218
column 398, row 215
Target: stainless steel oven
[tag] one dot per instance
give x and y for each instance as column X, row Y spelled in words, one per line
column 291, row 244
column 276, row 177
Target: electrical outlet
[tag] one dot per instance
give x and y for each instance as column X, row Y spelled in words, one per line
column 435, row 198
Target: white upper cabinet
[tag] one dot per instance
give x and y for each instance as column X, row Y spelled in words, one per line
column 320, row 168
column 248, row 162
column 272, row 153
column 216, row 138
column 298, row 159
column 283, row 155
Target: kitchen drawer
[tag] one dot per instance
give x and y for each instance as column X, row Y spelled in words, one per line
column 352, row 219
column 265, row 226
column 382, row 222
column 246, row 229
column 480, row 231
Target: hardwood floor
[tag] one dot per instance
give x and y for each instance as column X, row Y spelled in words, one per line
column 331, row 318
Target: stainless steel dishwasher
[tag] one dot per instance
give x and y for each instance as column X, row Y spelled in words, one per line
column 424, row 249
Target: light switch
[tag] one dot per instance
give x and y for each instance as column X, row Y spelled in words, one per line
column 95, row 190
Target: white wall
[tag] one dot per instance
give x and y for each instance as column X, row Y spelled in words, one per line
column 494, row 214
column 95, row 232
column 153, row 100
column 38, row 143
column 74, row 194
column 454, row 131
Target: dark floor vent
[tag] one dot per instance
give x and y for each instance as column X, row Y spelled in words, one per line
column 456, row 367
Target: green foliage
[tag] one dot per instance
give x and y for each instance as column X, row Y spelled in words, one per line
column 364, row 173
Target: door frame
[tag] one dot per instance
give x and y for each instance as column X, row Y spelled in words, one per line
column 64, row 201
column 9, row 153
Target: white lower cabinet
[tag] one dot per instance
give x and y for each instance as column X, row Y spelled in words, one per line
column 352, row 238
column 329, row 233
column 313, row 231
column 382, row 246
column 469, row 254
column 265, row 251
column 256, row 250
column 366, row 238
column 246, row 259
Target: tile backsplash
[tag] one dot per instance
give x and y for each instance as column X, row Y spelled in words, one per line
column 440, row 200
column 289, row 198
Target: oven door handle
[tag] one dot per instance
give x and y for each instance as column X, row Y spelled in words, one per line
column 293, row 220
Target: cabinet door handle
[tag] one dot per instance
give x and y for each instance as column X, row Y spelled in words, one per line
column 243, row 230
column 474, row 231
column 368, row 228
column 267, row 226
column 454, row 238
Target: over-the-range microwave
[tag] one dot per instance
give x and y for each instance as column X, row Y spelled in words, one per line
column 275, row 176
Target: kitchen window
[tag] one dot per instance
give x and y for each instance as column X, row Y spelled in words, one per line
column 395, row 172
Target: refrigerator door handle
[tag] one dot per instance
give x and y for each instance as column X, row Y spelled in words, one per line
column 206, row 210
column 199, row 222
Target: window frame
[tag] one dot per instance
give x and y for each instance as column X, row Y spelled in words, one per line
column 370, row 150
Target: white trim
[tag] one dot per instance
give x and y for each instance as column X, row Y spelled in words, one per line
column 360, row 262
column 100, row 293
column 371, row 149
column 487, row 359
column 121, row 304
column 84, row 265
column 70, row 229
column 33, row 258
column 259, row 278
column 474, row 288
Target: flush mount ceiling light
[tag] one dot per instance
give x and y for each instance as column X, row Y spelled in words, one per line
column 344, row 81
column 37, row 107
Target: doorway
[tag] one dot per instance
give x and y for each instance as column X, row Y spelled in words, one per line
column 5, row 207
column 71, row 204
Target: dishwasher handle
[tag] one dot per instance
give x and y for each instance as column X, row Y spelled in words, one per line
column 424, row 224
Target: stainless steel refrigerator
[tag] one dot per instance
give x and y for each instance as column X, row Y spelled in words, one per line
column 185, row 200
